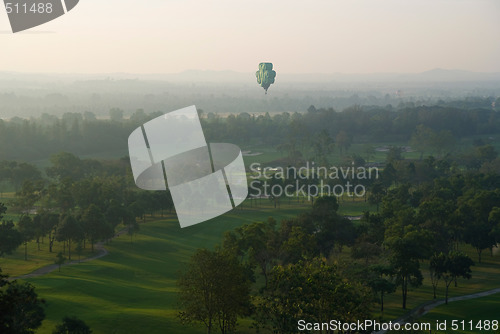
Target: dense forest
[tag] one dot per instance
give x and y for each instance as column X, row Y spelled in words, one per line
column 84, row 134
column 428, row 208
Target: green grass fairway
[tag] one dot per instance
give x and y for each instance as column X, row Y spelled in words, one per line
column 486, row 308
column 5, row 195
column 15, row 265
column 133, row 289
column 485, row 276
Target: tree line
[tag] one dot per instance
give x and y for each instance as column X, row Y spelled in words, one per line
column 81, row 134
column 21, row 310
column 279, row 273
column 274, row 273
column 80, row 201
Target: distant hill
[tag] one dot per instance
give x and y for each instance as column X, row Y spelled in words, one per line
column 439, row 74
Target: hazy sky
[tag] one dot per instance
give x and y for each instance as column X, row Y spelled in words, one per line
column 324, row 36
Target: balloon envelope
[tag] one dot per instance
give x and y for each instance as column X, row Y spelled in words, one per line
column 265, row 75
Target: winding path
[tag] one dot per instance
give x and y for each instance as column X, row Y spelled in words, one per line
column 101, row 251
column 426, row 307
column 415, row 313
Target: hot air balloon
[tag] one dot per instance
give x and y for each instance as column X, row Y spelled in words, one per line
column 265, row 75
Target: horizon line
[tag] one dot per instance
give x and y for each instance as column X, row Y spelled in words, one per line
column 240, row 72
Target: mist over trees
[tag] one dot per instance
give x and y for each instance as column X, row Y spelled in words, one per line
column 30, row 95
column 428, row 208
column 430, row 129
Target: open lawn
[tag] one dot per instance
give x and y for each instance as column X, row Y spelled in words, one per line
column 485, row 276
column 478, row 310
column 250, row 211
column 15, row 265
column 133, row 289
column 5, row 194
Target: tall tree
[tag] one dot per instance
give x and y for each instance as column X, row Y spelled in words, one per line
column 407, row 249
column 435, row 213
column 322, row 147
column 435, row 262
column 65, row 165
column 422, row 139
column 60, row 259
column 214, row 290
column 451, row 266
column 330, row 229
column 10, row 238
column 494, row 219
column 343, row 141
column 381, row 280
column 116, row 115
column 478, row 227
column 28, row 195
column 69, row 230
column 258, row 240
column 49, row 222
column 312, row 291
column 27, row 228
column 72, row 325
column 94, row 224
column 377, row 192
column 23, row 172
column 21, row 311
